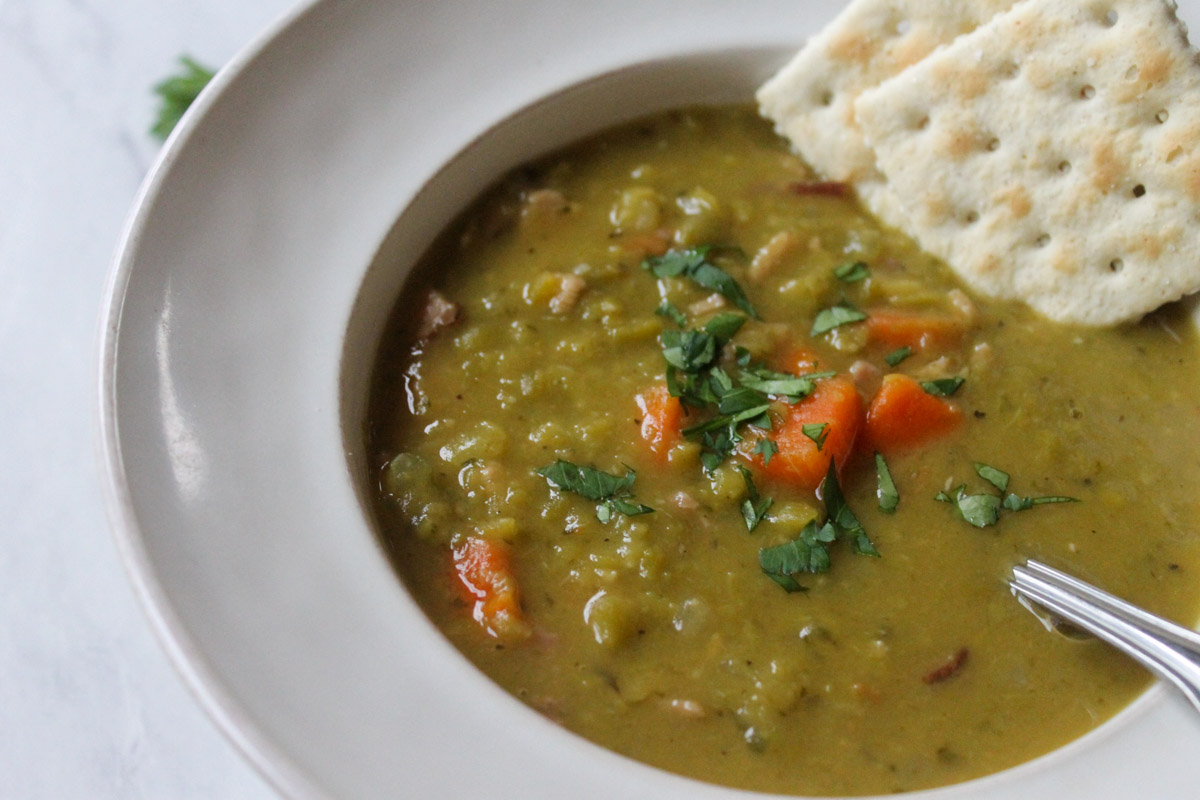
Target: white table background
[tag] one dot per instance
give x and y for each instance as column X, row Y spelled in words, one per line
column 89, row 705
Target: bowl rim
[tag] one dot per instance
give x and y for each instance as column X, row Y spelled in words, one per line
column 185, row 656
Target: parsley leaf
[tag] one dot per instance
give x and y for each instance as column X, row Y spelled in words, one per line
column 817, row 431
column 694, row 264
column 836, row 316
column 612, row 490
column 851, row 271
column 896, row 356
column 806, row 553
column 754, row 508
column 177, row 93
column 944, row 387
column 996, row 477
column 667, row 309
column 889, row 496
column 781, row 384
column 767, row 449
column 840, row 515
column 981, row 510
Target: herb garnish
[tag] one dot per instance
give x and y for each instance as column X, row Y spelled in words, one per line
column 983, row 510
column 889, row 496
column 754, row 507
column 177, row 93
column 943, row 387
column 667, row 309
column 836, row 316
column 851, row 271
column 767, row 449
column 817, row 431
column 896, row 356
column 809, row 552
column 612, row 490
column 694, row 264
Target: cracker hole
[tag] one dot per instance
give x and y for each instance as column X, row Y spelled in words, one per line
column 1087, row 92
column 1010, row 70
column 826, row 98
column 1116, row 265
column 1064, row 167
column 1132, row 73
column 1174, row 154
column 1042, row 240
column 1162, row 116
column 1139, row 190
column 1110, row 18
column 922, row 123
column 993, row 144
column 971, row 217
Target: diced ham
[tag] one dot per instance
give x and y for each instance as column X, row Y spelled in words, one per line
column 437, row 313
column 569, row 290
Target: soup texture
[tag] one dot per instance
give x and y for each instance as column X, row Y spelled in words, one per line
column 691, row 455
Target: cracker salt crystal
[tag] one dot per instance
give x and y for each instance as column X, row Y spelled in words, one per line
column 1052, row 156
column 811, row 100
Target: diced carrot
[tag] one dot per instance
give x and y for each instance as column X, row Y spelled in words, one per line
column 903, row 414
column 918, row 331
column 662, row 417
column 798, row 460
column 484, row 569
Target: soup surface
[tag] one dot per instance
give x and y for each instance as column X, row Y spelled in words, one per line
column 601, row 426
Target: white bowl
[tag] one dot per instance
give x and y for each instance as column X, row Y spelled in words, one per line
column 243, row 312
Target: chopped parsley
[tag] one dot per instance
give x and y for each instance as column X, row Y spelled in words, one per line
column 836, row 316
column 177, row 93
column 613, row 491
column 996, row 477
column 817, row 431
column 767, row 449
column 809, row 552
column 694, row 263
column 851, row 271
column 667, row 309
column 896, row 356
column 944, row 387
column 754, row 507
column 889, row 496
column 983, row 510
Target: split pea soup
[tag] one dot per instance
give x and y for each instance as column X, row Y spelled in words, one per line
column 687, row 452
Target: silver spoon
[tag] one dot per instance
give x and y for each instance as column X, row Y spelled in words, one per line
column 1170, row 651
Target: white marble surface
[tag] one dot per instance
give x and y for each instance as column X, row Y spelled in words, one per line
column 89, row 705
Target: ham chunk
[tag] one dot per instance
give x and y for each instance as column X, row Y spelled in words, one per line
column 437, row 313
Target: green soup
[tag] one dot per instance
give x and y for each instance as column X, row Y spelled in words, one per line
column 602, row 447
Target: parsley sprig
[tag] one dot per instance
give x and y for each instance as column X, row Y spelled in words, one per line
column 808, row 553
column 983, row 509
column 695, row 264
column 613, row 491
column 177, row 93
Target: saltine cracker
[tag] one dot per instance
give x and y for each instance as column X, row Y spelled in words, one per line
column 1053, row 156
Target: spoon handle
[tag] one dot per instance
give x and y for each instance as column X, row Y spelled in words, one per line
column 1168, row 650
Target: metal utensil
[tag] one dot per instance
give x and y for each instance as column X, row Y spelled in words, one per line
column 1170, row 651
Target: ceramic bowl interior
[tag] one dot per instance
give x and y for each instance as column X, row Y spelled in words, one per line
column 243, row 317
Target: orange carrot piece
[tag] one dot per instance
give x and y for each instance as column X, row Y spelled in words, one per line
column 902, row 414
column 662, row 418
column 798, row 461
column 799, row 361
column 911, row 329
column 484, row 569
